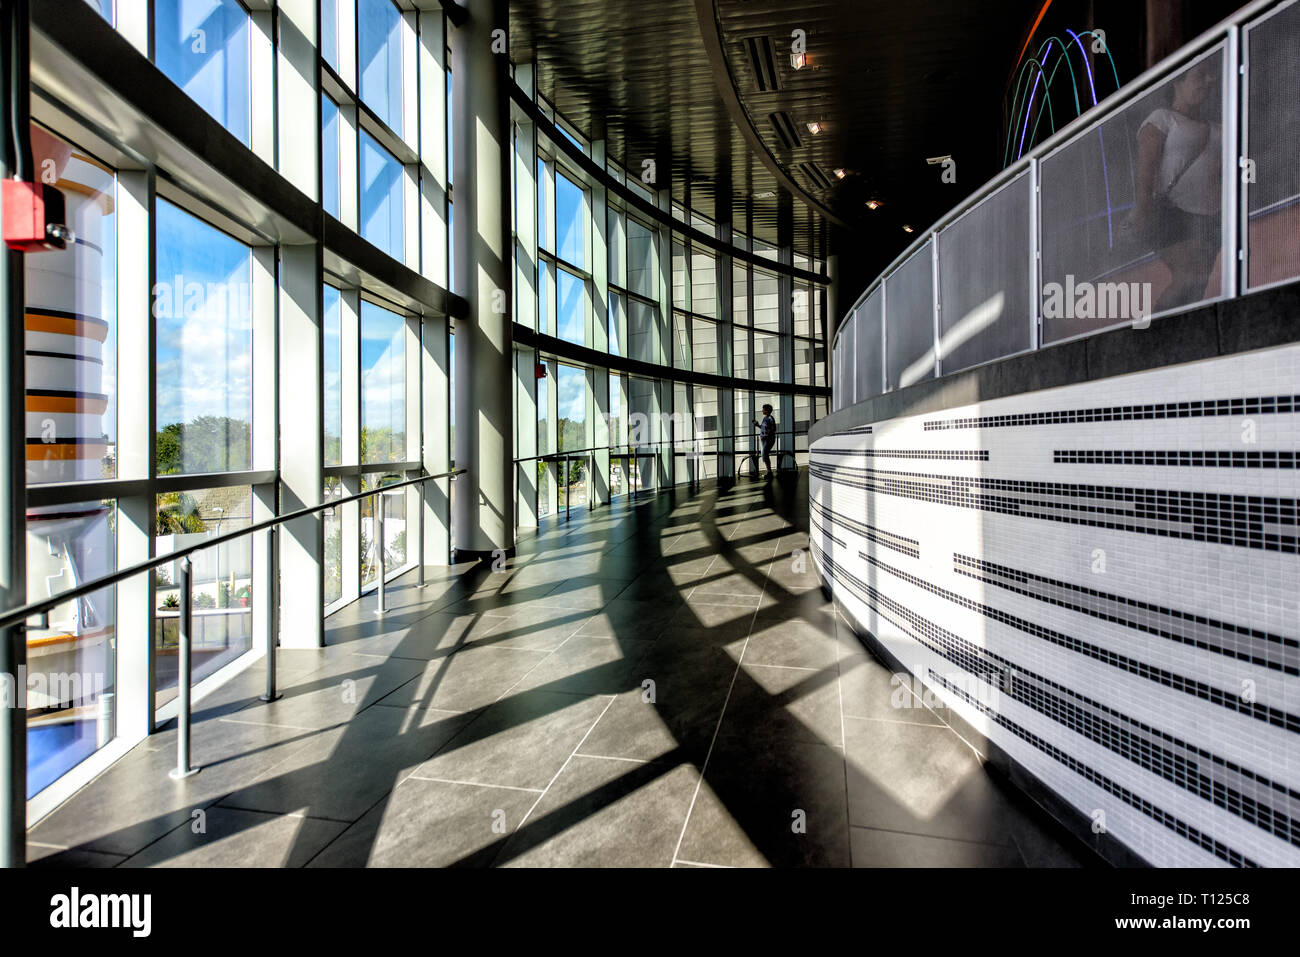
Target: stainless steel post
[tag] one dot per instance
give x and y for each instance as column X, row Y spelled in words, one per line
column 272, row 612
column 419, row 580
column 379, row 549
column 184, row 675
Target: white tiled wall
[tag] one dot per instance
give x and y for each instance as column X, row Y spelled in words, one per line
column 1241, row 586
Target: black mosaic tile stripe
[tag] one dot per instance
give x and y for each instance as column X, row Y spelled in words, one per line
column 906, row 546
column 1203, row 459
column 1238, row 520
column 1277, row 652
column 1256, row 405
column 869, row 596
column 1216, row 847
column 860, row 430
column 1190, row 686
column 947, row 455
column 1176, row 761
column 822, row 533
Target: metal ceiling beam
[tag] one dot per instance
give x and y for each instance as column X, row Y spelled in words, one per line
column 711, row 34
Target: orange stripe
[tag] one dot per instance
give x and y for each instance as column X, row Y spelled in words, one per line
column 93, row 162
column 66, row 403
column 1041, row 13
column 65, row 326
column 103, row 199
column 64, row 452
column 65, row 638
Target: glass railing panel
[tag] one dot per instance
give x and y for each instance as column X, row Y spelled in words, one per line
column 1271, row 176
column 909, row 320
column 1131, row 210
column 868, row 371
column 984, row 280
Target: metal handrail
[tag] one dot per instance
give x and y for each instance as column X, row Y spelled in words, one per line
column 1085, row 123
column 615, row 452
column 15, row 616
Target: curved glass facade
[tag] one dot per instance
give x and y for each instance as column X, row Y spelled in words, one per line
column 288, row 341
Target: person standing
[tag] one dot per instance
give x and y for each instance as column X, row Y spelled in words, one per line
column 767, row 436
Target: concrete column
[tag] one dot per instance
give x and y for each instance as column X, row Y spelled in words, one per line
column 302, row 449
column 136, row 522
column 297, row 123
column 483, row 514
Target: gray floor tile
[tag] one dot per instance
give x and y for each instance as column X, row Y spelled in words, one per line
column 875, row 848
column 431, row 824
column 770, row 806
column 342, row 772
column 605, row 813
column 521, row 741
column 922, row 780
column 232, row 838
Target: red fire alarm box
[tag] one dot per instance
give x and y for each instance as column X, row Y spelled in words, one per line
column 540, row 371
column 34, row 216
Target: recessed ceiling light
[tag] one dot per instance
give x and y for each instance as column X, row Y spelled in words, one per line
column 938, row 160
column 908, row 229
column 841, row 172
column 814, row 127
column 874, row 204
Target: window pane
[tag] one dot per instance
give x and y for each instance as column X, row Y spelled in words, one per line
column 617, row 239
column 71, row 326
column 643, row 278
column 617, row 324
column 802, row 310
column 71, row 664
column 767, row 357
column 394, row 544
column 679, row 276
column 641, row 341
column 329, row 155
column 545, row 311
column 333, row 562
column 382, row 219
column 572, row 314
column 739, row 295
column 221, row 582
column 103, row 7
column 543, row 216
column 681, row 342
column 568, row 222
column 704, row 346
column 740, row 353
column 204, row 364
column 617, row 424
column 329, row 32
column 766, row 305
column 333, row 376
column 203, row 46
column 703, row 284
column 383, row 385
column 571, row 410
column 379, row 59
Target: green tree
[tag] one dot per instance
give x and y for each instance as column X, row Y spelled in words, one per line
column 210, row 443
column 178, row 514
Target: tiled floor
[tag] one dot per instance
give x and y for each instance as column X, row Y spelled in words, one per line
column 657, row 683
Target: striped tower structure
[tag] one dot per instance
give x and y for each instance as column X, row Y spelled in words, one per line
column 70, row 663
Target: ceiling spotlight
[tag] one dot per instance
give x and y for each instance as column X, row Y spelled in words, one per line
column 874, row 204
column 841, row 172
column 908, row 229
column 814, row 127
column 797, row 61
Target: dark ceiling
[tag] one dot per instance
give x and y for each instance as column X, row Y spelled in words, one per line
column 892, row 83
